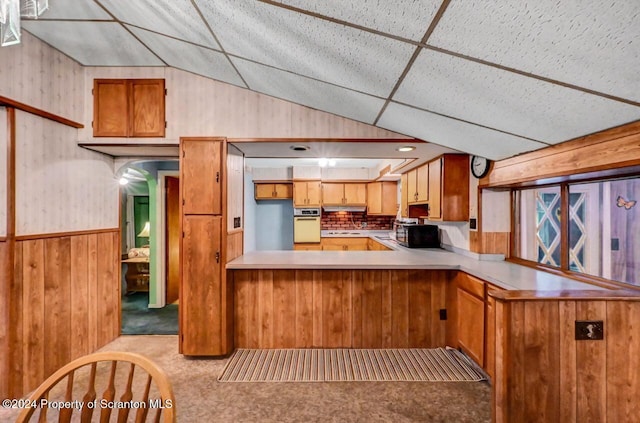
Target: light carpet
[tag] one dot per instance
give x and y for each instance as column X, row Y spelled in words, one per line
column 349, row 365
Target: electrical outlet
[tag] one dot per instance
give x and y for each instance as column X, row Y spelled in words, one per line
column 590, row 330
column 364, row 224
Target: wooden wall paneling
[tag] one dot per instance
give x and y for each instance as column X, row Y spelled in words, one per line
column 284, row 311
column 386, row 311
column 17, row 342
column 33, row 336
column 57, row 301
column 92, row 291
column 265, row 308
column 246, row 312
column 304, row 316
column 623, row 361
column 591, row 357
column 234, row 245
column 542, row 352
column 79, row 304
column 438, row 285
column 500, row 399
column 318, row 318
column 335, row 287
column 5, row 319
column 515, row 373
column 568, row 371
column 107, row 283
column 419, row 314
column 399, row 284
column 357, row 292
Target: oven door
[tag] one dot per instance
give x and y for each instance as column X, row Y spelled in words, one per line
column 306, row 229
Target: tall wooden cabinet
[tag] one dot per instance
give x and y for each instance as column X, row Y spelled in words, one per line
column 205, row 321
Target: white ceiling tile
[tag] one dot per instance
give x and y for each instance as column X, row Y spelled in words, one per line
column 308, row 46
column 175, row 18
column 309, row 92
column 181, row 55
column 74, row 9
column 93, row 43
column 405, row 18
column 507, row 101
column 454, row 134
column 589, row 43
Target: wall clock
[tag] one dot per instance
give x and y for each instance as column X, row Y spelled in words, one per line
column 479, row 166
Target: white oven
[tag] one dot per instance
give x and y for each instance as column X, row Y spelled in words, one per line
column 306, row 225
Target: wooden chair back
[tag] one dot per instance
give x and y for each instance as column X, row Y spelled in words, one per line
column 133, row 389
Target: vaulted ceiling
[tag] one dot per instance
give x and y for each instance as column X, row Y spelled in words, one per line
column 486, row 77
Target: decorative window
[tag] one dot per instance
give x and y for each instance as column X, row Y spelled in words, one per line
column 602, row 228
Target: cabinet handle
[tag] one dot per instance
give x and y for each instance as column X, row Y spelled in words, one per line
column 217, row 256
column 217, row 176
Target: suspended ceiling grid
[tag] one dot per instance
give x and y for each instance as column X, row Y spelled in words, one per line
column 490, row 78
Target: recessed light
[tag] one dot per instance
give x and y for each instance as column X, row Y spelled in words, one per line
column 406, row 148
column 299, row 147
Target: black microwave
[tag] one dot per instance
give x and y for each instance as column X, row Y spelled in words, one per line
column 418, row 236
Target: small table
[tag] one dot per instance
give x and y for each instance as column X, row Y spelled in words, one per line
column 137, row 275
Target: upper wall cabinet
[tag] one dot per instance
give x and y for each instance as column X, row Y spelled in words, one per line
column 382, row 198
column 128, row 108
column 347, row 194
column 201, row 177
column 306, row 194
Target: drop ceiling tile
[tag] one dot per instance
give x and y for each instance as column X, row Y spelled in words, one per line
column 593, row 44
column 181, row 55
column 175, row 18
column 405, row 18
column 308, row 46
column 507, row 101
column 74, row 9
column 309, row 92
column 454, row 134
column 93, row 43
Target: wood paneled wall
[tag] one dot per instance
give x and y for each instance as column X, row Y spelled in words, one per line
column 5, row 319
column 489, row 242
column 234, row 245
column 613, row 148
column 544, row 375
column 64, row 303
column 339, row 308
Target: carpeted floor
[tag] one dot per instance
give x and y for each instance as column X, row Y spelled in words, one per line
column 139, row 319
column 201, row 398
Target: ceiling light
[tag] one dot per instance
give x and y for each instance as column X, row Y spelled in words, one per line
column 323, row 162
column 332, row 162
column 406, row 148
column 10, row 13
column 299, row 147
column 124, row 181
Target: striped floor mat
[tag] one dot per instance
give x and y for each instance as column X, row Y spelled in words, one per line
column 349, row 365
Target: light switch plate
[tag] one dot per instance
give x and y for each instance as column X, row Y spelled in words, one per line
column 590, row 330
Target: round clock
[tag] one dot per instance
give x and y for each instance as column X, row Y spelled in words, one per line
column 479, row 166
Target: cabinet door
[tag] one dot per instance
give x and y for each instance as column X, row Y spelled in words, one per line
column 200, row 167
column 333, row 194
column 422, row 183
column 471, row 325
column 264, row 191
column 412, row 192
column 404, row 195
column 333, row 244
column 374, row 198
column 147, row 108
column 355, row 244
column 110, row 108
column 300, row 194
column 201, row 288
column 355, row 194
column 389, row 199
column 435, row 193
column 283, row 190
column 314, row 194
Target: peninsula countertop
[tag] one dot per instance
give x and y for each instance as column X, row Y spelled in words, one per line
column 503, row 274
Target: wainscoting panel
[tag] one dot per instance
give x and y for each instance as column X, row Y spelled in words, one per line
column 67, row 289
column 339, row 308
column 5, row 319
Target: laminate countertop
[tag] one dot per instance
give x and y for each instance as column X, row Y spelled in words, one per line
column 503, row 274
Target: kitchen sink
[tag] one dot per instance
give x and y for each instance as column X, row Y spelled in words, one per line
column 344, row 233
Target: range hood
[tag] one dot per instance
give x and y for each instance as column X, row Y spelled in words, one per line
column 358, row 209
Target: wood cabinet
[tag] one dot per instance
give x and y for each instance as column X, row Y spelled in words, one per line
column 206, row 322
column 307, row 194
column 343, row 244
column 344, row 194
column 128, row 108
column 264, row 191
column 418, row 185
column 471, row 316
column 308, row 247
column 201, row 177
column 404, row 195
column 449, row 188
column 376, row 246
column 382, row 198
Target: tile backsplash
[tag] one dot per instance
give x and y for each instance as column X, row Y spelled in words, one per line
column 354, row 220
